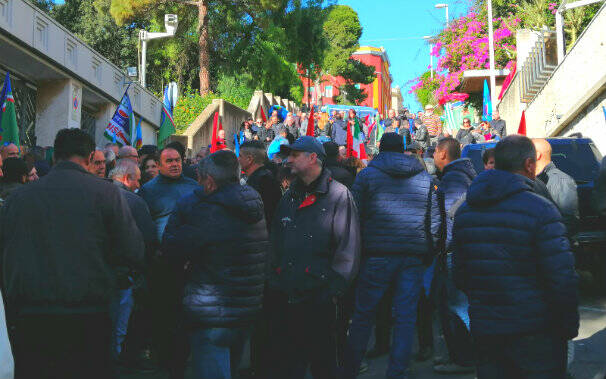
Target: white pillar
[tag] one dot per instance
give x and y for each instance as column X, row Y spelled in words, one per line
column 58, row 106
column 493, row 84
column 559, row 18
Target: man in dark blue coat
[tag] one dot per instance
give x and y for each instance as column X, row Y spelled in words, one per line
column 338, row 133
column 513, row 259
column 220, row 230
column 399, row 216
column 455, row 174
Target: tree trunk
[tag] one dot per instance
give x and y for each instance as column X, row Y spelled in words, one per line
column 204, row 58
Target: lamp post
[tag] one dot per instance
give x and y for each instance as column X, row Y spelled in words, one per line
column 171, row 21
column 493, row 84
column 429, row 40
column 438, row 6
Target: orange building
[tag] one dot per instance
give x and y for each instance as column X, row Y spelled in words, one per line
column 378, row 92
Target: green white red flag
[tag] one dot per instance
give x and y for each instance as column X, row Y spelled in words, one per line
column 355, row 140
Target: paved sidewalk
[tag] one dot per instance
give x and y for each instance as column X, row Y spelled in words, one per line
column 589, row 362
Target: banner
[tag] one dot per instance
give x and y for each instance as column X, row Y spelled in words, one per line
column 121, row 124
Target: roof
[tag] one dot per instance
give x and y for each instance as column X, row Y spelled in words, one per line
column 377, row 51
column 473, row 80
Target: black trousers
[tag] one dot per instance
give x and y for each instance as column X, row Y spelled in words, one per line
column 538, row 356
column 425, row 321
column 66, row 346
column 302, row 335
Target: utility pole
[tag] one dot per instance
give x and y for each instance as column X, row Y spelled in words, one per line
column 493, row 84
column 171, row 21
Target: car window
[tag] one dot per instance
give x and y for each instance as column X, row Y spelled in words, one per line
column 581, row 161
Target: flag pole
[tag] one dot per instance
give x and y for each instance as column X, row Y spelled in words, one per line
column 493, row 85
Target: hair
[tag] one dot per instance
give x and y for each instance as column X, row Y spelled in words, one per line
column 452, row 147
column 512, row 152
column 109, row 154
column 38, row 153
column 147, row 158
column 467, row 118
column 124, row 167
column 169, row 148
column 73, row 142
column 110, row 144
column 391, row 143
column 148, row 150
column 487, row 154
column 256, row 149
column 14, row 169
column 222, row 166
column 176, row 145
column 331, row 149
column 124, row 151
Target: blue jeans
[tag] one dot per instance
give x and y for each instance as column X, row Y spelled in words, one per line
column 217, row 352
column 376, row 276
column 121, row 308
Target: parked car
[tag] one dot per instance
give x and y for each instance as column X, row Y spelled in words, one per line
column 579, row 158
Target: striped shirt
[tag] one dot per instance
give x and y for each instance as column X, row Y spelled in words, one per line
column 433, row 124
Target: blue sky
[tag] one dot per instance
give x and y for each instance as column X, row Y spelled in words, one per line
column 398, row 26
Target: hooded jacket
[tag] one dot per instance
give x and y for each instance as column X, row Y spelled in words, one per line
column 224, row 237
column 339, row 132
column 513, row 259
column 454, row 181
column 398, row 206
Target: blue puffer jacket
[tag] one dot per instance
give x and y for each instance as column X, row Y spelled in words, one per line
column 513, row 259
column 224, row 237
column 161, row 195
column 454, row 181
column 398, row 206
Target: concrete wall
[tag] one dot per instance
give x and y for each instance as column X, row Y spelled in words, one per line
column 266, row 100
column 571, row 100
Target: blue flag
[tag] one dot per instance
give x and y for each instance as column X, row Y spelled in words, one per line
column 238, row 140
column 604, row 109
column 168, row 104
column 487, row 108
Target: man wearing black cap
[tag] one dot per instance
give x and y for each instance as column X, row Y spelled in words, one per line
column 399, row 218
column 316, row 249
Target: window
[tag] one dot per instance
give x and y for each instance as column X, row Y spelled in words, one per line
column 328, row 91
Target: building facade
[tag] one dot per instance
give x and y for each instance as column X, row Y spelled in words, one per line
column 378, row 93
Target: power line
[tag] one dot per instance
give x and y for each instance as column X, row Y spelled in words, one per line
column 390, row 39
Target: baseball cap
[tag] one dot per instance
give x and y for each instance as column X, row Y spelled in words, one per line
column 309, row 144
column 428, row 106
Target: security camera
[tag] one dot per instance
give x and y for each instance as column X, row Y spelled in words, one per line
column 171, row 21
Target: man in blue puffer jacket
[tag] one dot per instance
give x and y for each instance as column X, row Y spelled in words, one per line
column 455, row 174
column 399, row 217
column 220, row 230
column 513, row 259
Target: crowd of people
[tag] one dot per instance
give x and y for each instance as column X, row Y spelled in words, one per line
column 140, row 259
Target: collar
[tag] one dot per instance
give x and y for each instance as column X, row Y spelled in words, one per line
column 319, row 186
column 169, row 180
column 121, row 185
column 68, row 165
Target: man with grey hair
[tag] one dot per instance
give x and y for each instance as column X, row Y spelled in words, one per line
column 126, row 175
column 128, row 152
column 220, row 230
column 513, row 260
column 253, row 157
column 110, row 158
column 316, row 251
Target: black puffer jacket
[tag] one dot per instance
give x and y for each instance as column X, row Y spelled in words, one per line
column 454, row 181
column 512, row 258
column 224, row 237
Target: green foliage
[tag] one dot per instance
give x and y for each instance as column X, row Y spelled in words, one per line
column 189, row 107
column 425, row 94
column 342, row 31
column 349, row 94
column 237, row 90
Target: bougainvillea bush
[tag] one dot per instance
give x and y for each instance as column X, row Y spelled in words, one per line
column 464, row 46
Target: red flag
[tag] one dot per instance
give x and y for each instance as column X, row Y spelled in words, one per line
column 214, row 139
column 263, row 117
column 522, row 127
column 508, row 80
column 310, row 123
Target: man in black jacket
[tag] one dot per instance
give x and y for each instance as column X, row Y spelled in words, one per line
column 513, row 260
column 337, row 170
column 61, row 238
column 455, row 174
column 316, row 248
column 252, row 158
column 220, row 230
column 126, row 175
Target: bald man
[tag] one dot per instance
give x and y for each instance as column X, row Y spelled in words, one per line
column 560, row 186
column 128, row 152
column 10, row 151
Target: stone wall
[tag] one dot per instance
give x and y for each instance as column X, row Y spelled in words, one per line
column 266, row 100
column 572, row 98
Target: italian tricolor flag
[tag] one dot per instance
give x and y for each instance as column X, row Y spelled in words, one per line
column 355, row 140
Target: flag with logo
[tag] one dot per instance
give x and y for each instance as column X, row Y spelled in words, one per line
column 487, row 108
column 8, row 116
column 355, row 140
column 122, row 123
column 137, row 141
column 167, row 124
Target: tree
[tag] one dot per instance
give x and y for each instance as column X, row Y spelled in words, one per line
column 342, row 31
column 126, row 10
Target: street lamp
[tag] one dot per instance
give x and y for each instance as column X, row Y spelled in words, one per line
column 171, row 21
column 430, row 40
column 438, row 6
